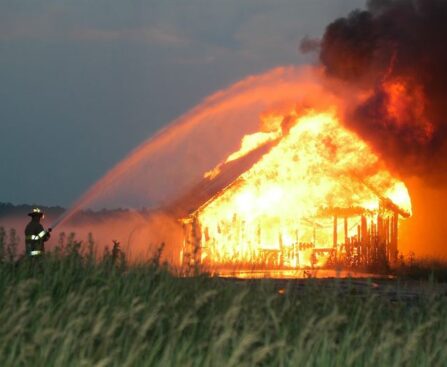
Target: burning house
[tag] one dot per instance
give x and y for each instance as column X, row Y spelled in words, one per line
column 301, row 192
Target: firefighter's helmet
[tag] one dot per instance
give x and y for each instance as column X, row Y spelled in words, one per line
column 36, row 212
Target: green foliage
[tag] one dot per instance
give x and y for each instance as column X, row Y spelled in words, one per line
column 9, row 244
column 75, row 309
column 2, row 243
column 422, row 269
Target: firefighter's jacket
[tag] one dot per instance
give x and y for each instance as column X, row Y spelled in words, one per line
column 35, row 237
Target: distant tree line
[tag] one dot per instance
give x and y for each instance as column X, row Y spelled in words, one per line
column 8, row 210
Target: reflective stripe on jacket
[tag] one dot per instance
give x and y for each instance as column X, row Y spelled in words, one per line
column 35, row 236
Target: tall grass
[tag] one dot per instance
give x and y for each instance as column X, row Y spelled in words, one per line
column 74, row 310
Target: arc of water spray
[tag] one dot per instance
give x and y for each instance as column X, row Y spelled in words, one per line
column 218, row 102
column 187, row 121
column 112, row 175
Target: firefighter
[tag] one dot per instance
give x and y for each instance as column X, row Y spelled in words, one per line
column 36, row 235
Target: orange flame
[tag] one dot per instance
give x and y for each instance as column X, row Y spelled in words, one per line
column 406, row 105
column 282, row 202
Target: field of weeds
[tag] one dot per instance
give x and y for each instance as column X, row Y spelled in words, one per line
column 72, row 310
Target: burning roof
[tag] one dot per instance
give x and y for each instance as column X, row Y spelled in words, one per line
column 339, row 170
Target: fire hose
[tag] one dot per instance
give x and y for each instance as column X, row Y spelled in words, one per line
column 57, row 221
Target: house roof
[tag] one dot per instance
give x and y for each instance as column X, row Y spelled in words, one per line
column 208, row 188
column 228, row 174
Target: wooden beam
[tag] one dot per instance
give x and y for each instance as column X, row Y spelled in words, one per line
column 394, row 237
column 346, row 229
column 334, row 242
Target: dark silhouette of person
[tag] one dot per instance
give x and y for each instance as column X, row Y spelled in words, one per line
column 36, row 235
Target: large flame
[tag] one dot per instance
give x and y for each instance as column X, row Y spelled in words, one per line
column 287, row 200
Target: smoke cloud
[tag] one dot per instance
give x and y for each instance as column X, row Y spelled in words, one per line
column 394, row 52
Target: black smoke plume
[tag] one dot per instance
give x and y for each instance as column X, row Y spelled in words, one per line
column 396, row 52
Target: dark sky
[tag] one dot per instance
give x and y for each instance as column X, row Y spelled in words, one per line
column 84, row 82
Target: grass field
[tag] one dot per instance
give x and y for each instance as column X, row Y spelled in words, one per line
column 71, row 310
